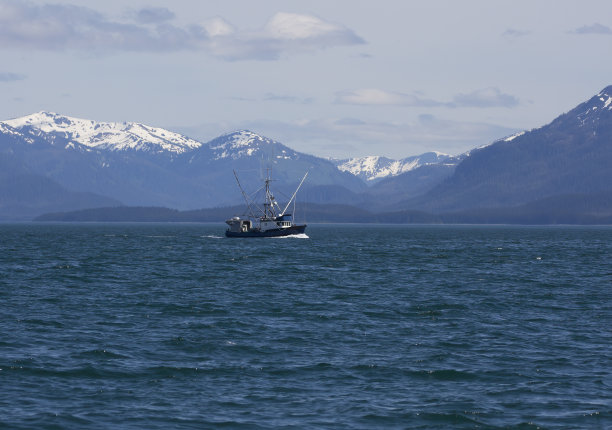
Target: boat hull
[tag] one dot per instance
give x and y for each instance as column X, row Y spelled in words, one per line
column 276, row 232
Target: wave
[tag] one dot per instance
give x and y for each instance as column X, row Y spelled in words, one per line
column 293, row 236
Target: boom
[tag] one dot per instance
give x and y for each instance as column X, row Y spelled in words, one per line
column 293, row 196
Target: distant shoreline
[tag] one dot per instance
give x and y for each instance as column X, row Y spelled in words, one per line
column 560, row 211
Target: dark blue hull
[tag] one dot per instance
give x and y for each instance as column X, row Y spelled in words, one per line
column 277, row 232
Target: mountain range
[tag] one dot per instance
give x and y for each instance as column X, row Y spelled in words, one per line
column 571, row 155
column 374, row 168
column 136, row 164
column 51, row 162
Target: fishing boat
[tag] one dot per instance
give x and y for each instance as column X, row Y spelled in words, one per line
column 271, row 221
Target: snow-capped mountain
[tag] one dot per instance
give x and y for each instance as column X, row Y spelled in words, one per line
column 591, row 112
column 84, row 134
column 245, row 143
column 47, row 158
column 113, row 136
column 251, row 154
column 123, row 136
column 375, row 168
column 136, row 164
column 571, row 155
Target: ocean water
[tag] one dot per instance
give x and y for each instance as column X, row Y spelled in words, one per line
column 163, row 326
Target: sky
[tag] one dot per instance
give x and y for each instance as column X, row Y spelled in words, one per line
column 332, row 78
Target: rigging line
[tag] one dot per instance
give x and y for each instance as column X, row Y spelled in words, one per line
column 246, row 199
column 254, row 194
column 285, row 198
column 293, row 196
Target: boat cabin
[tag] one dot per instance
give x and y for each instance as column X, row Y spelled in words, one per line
column 283, row 221
column 238, row 225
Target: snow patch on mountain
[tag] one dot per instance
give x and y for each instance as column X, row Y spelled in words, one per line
column 6, row 129
column 502, row 140
column 375, row 168
column 245, row 143
column 513, row 136
column 597, row 106
column 606, row 98
column 112, row 136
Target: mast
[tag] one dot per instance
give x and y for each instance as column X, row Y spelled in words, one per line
column 271, row 206
column 269, row 199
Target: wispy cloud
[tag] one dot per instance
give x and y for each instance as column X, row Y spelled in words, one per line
column 514, row 33
column 485, row 98
column 273, row 97
column 10, row 77
column 482, row 98
column 349, row 121
column 25, row 25
column 348, row 137
column 287, row 98
column 593, row 29
column 153, row 15
column 374, row 96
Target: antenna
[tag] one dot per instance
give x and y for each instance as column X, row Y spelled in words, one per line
column 261, row 167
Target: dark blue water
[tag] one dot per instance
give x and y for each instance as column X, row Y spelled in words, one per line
column 173, row 326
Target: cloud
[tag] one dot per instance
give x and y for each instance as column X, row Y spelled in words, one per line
column 272, row 97
column 593, row 29
column 373, row 96
column 426, row 118
column 287, row 98
column 307, row 28
column 57, row 27
column 349, row 121
column 352, row 137
column 342, row 138
column 217, row 26
column 151, row 15
column 11, row 77
column 284, row 34
column 514, row 33
column 485, row 98
column 60, row 27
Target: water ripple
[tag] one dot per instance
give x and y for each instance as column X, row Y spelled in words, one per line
column 358, row 327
